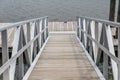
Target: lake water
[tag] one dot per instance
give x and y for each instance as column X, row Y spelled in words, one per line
column 61, row 10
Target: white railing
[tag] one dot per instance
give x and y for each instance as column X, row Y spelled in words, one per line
column 96, row 36
column 28, row 40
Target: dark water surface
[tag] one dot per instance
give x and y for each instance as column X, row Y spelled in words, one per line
column 62, row 10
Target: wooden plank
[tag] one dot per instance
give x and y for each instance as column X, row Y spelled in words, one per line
column 65, row 62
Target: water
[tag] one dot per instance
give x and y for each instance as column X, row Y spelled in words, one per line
column 60, row 10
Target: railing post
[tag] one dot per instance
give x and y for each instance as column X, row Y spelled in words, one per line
column 47, row 28
column 20, row 59
column 40, row 28
column 5, row 55
column 78, row 27
column 38, row 31
column 105, row 57
column 119, row 52
column 90, row 41
column 28, row 39
column 96, row 38
column 46, row 24
column 42, row 33
column 84, row 28
column 87, row 31
column 82, row 33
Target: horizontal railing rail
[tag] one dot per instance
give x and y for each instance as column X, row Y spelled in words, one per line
column 115, row 24
column 28, row 40
column 96, row 36
column 4, row 27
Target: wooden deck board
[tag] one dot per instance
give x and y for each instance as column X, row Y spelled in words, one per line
column 63, row 59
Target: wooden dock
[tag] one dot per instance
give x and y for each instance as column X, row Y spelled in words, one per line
column 63, row 58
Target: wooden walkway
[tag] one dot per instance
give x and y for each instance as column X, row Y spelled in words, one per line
column 63, row 59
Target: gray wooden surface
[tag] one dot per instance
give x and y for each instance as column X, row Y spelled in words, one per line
column 63, row 59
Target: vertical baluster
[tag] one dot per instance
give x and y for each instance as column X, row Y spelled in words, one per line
column 38, row 31
column 43, row 27
column 83, row 27
column 47, row 27
column 90, row 41
column 82, row 33
column 105, row 66
column 119, row 52
column 42, row 36
column 5, row 54
column 32, row 36
column 20, row 59
column 81, row 24
column 96, row 38
column 78, row 27
column 40, row 27
column 28, row 39
column 87, row 31
column 105, row 56
column 112, row 51
column 14, row 52
column 35, row 42
column 99, row 52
